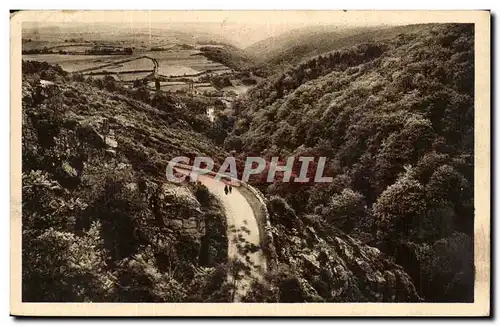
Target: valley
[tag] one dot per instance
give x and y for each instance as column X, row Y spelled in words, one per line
column 390, row 107
column 179, row 68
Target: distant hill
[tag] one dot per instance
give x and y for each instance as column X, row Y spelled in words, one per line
column 294, row 46
column 229, row 56
column 41, row 35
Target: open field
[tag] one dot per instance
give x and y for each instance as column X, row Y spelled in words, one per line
column 73, row 63
column 55, row 45
column 179, row 65
column 131, row 77
column 168, row 70
column 180, row 62
column 171, row 63
column 139, row 64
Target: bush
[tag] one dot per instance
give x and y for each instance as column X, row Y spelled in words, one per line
column 117, row 206
column 141, row 281
column 78, row 77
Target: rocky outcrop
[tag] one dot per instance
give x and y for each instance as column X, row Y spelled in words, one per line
column 338, row 268
column 178, row 209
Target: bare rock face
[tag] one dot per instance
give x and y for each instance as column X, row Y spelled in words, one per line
column 376, row 277
column 178, row 209
column 338, row 268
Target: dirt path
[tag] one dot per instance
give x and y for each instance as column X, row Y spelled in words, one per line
column 243, row 235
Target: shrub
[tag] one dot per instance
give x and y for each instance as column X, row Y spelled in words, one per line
column 141, row 281
column 109, row 83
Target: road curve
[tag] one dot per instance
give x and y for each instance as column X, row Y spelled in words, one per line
column 244, row 245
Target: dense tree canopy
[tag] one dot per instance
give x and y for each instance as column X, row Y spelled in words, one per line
column 395, row 118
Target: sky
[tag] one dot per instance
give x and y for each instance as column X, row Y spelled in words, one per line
column 242, row 28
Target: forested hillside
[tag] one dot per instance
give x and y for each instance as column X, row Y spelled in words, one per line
column 298, row 44
column 395, row 118
column 293, row 47
column 100, row 221
column 391, row 108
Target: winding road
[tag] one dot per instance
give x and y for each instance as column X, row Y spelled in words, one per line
column 244, row 247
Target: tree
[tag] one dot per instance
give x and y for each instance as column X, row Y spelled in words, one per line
column 346, row 209
column 448, row 184
column 402, row 147
column 400, row 205
column 141, row 281
column 62, row 267
column 233, row 142
column 449, row 193
column 448, row 269
column 202, row 194
column 109, row 83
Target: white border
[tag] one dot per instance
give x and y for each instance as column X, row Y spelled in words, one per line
column 188, row 4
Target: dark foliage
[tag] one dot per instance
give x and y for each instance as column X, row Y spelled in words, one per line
column 395, row 119
column 96, row 207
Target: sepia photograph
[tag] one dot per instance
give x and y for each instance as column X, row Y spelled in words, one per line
column 318, row 159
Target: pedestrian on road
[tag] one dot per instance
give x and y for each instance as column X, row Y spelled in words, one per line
column 225, row 189
column 230, row 189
